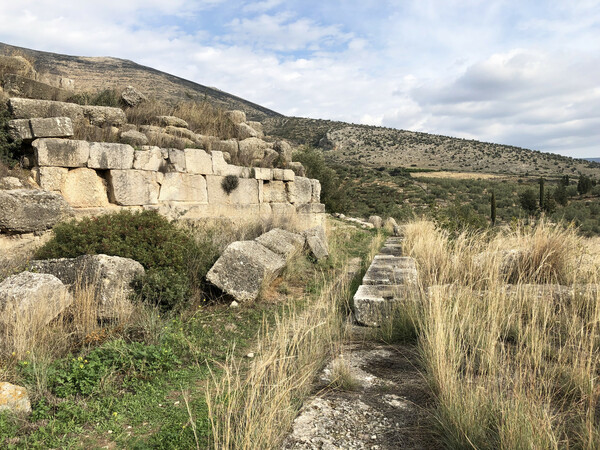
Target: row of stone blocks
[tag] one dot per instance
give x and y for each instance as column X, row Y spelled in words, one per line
column 390, row 279
column 94, row 174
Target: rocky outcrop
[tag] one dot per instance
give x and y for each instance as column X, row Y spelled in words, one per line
column 28, row 210
column 236, row 116
column 14, row 398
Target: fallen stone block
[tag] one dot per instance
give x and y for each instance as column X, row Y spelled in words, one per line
column 316, row 242
column 245, row 131
column 29, row 300
column 108, row 155
column 229, row 146
column 373, row 305
column 251, row 150
column 110, row 278
column 310, row 208
column 18, row 86
column 172, row 121
column 297, row 168
column 244, row 268
column 101, row 116
column 282, row 242
column 285, row 152
column 376, row 221
column 14, row 398
column 30, row 210
column 133, row 137
column 61, row 152
column 400, row 262
column 257, row 126
column 134, row 187
column 132, row 97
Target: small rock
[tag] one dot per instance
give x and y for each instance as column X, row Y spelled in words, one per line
column 132, row 97
column 234, row 304
column 14, row 398
column 250, row 355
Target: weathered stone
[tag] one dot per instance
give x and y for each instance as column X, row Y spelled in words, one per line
column 289, row 175
column 316, row 190
column 298, row 168
column 20, row 129
column 236, row 116
column 61, row 152
column 10, row 183
column 133, row 137
column 282, row 242
column 25, row 108
column 391, row 249
column 206, row 142
column 219, row 165
column 104, row 115
column 198, row 161
column 402, row 262
column 14, row 398
column 30, row 299
column 177, row 160
column 230, row 146
column 285, row 152
column 316, row 242
column 246, row 193
column 257, row 126
column 109, row 276
column 182, row 133
column 84, row 188
column 375, row 304
column 238, row 171
column 172, row 121
column 251, row 149
column 50, row 178
column 18, row 65
column 107, row 155
column 386, row 275
column 244, row 268
column 376, row 221
column 183, row 187
column 51, row 127
column 278, row 174
column 29, row 210
column 245, row 131
column 310, row 208
column 132, row 97
column 299, row 191
column 18, row 86
column 133, row 187
column 150, row 159
column 270, row 158
column 274, row 192
column 263, row 173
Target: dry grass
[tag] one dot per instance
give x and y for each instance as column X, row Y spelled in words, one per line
column 511, row 368
column 460, row 175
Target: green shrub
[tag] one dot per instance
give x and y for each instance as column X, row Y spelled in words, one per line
column 147, row 237
column 9, row 149
column 230, row 183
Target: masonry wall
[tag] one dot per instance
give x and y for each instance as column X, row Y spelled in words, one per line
column 96, row 177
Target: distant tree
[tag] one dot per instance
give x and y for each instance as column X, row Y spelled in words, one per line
column 493, row 208
column 549, row 204
column 560, row 194
column 528, row 201
column 584, row 185
column 542, row 196
column 564, row 181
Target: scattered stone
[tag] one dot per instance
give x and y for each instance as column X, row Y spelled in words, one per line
column 14, row 398
column 245, row 131
column 182, row 133
column 133, row 138
column 316, row 242
column 250, row 355
column 234, row 304
column 29, row 300
column 251, row 150
column 244, row 268
column 10, row 183
column 172, row 121
column 282, row 242
column 376, row 221
column 30, row 210
column 132, row 97
column 229, row 146
column 257, row 126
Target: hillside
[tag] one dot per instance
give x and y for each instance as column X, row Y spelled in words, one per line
column 94, row 74
column 372, row 146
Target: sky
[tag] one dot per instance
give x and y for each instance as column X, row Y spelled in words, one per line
column 516, row 72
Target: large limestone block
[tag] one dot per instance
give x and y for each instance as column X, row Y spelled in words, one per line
column 219, row 163
column 172, row 121
column 110, row 277
column 25, row 108
column 284, row 174
column 32, row 299
column 176, row 161
column 183, row 187
column 244, row 268
column 61, row 152
column 274, row 192
column 270, row 158
column 29, row 210
column 198, row 161
column 150, row 159
column 133, row 187
column 299, row 191
column 59, row 127
column 108, row 155
column 282, row 242
column 236, row 116
column 316, row 191
column 297, row 168
column 245, row 194
column 374, row 304
column 257, row 126
column 391, row 249
column 84, row 188
column 182, row 133
column 133, row 137
column 285, row 152
column 50, row 178
column 20, row 129
column 402, row 262
column 386, row 275
column 229, row 146
column 132, row 97
column 245, row 131
column 316, row 242
column 377, row 221
column 263, row 173
column 14, row 398
column 251, row 149
column 310, row 208
column 18, row 65
column 104, row 115
column 18, row 86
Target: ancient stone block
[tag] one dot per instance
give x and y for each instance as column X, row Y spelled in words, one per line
column 132, row 97
column 376, row 221
column 244, row 268
column 263, row 173
column 257, row 126
column 387, row 275
column 316, row 191
column 229, row 146
column 285, row 152
column 61, row 152
column 150, row 159
column 278, row 174
column 25, row 108
column 297, row 168
column 182, row 133
column 133, row 187
column 84, row 188
column 270, row 158
column 50, row 178
column 133, row 137
column 244, row 131
column 176, row 160
column 246, row 192
column 20, row 129
column 236, row 116
column 316, row 242
column 29, row 210
column 299, row 191
column 198, row 161
column 282, row 242
column 106, row 155
column 219, row 165
column 183, row 187
column 14, row 398
column 374, row 304
column 172, row 121
column 310, row 208
column 104, row 115
column 251, row 149
column 289, row 175
column 274, row 192
column 51, row 127
column 18, row 86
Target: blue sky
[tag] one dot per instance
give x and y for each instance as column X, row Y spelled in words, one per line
column 523, row 73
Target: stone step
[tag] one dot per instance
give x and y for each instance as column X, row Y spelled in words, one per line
column 399, row 262
column 392, row 249
column 373, row 304
column 394, row 240
column 386, row 275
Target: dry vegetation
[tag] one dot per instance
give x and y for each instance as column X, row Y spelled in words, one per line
column 512, row 367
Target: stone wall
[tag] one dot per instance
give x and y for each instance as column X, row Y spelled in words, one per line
column 181, row 184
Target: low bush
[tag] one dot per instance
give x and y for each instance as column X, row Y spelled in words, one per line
column 9, row 149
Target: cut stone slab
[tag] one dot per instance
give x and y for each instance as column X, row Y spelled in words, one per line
column 219, row 165
column 84, row 188
column 391, row 249
column 299, row 191
column 274, row 192
column 316, row 191
column 400, row 262
column 31, row 210
column 27, row 130
column 390, row 275
column 285, row 152
column 107, row 155
column 176, row 160
column 283, row 242
column 244, row 268
column 374, row 304
column 183, row 187
column 246, row 193
column 262, row 173
column 134, row 187
column 172, row 121
column 150, row 159
column 61, row 152
column 104, row 115
column 198, row 161
column 109, row 276
column 133, row 137
column 28, row 300
column 50, row 178
column 316, row 242
column 14, row 398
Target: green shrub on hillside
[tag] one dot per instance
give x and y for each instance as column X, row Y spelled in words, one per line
column 9, row 149
column 163, row 249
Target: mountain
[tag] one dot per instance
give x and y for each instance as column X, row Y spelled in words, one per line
column 98, row 73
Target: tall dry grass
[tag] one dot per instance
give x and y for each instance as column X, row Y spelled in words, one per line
column 511, row 366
